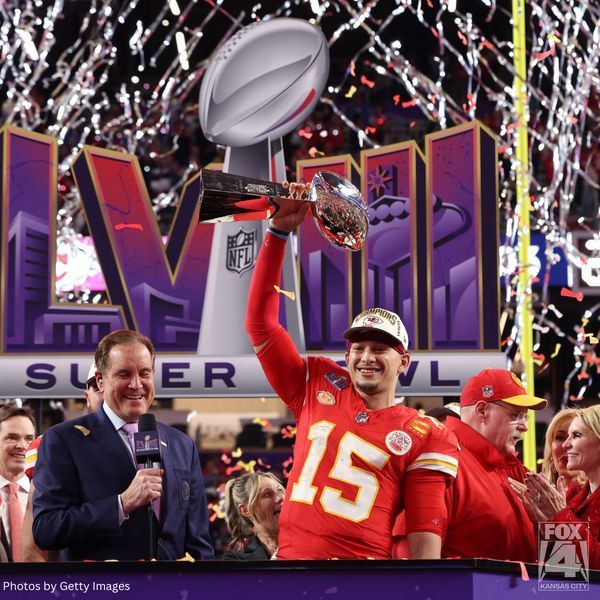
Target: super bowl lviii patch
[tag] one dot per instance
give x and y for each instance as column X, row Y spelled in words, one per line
column 398, row 442
column 339, row 382
column 326, row 398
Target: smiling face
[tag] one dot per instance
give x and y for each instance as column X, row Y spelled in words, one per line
column 582, row 447
column 559, row 455
column 127, row 383
column 266, row 507
column 374, row 366
column 16, row 433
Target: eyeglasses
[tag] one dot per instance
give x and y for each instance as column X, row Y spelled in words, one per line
column 520, row 417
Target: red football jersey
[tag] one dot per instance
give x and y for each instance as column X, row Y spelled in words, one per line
column 345, row 488
column 31, row 457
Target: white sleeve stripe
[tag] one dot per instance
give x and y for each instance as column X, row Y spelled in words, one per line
column 449, row 470
column 437, row 456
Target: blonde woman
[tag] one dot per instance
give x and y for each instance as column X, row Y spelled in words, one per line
column 554, row 465
column 581, row 503
column 253, row 503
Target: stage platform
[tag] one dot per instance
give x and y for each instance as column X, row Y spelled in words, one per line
column 287, row 580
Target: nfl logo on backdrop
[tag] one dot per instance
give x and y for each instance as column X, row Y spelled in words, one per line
column 241, row 250
column 563, row 557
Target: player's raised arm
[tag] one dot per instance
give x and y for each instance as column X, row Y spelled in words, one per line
column 283, row 365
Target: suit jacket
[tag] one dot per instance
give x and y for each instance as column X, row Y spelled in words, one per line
column 5, row 551
column 252, row 551
column 83, row 465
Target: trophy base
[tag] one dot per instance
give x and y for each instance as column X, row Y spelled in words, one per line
column 226, row 197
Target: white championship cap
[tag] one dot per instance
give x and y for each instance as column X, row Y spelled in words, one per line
column 379, row 322
column 91, row 373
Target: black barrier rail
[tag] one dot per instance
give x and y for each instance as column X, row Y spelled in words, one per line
column 293, row 580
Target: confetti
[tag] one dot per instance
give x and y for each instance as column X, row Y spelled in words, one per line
column 543, row 368
column 305, row 133
column 538, row 359
column 262, row 464
column 365, row 81
column 542, row 55
column 556, row 350
column 236, row 453
column 246, row 466
column 288, row 432
column 471, row 103
column 287, row 463
column 187, row 558
column 230, row 470
column 566, row 292
column 290, row 295
column 351, row 91
column 155, row 105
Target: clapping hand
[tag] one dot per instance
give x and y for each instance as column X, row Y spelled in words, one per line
column 541, row 499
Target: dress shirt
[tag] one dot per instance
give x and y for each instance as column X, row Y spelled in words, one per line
column 118, row 423
column 23, row 493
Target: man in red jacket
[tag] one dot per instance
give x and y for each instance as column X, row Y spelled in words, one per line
column 485, row 517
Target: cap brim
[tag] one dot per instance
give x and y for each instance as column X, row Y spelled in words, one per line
column 526, row 401
column 441, row 411
column 371, row 333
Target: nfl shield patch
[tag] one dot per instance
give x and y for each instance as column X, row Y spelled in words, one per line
column 241, row 251
column 487, row 391
column 339, row 382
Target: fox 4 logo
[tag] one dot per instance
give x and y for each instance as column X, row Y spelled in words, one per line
column 563, row 552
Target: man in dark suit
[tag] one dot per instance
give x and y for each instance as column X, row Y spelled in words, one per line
column 90, row 498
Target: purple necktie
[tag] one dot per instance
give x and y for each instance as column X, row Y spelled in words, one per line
column 130, row 429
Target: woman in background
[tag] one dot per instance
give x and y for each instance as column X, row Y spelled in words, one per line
column 544, row 502
column 554, row 465
column 253, row 503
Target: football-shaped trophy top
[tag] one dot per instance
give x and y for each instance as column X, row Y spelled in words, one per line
column 263, row 82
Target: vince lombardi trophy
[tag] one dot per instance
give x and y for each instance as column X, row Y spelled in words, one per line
column 260, row 85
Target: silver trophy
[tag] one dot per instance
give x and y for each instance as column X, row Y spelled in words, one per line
column 336, row 205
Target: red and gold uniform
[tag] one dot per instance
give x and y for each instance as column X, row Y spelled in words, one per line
column 485, row 517
column 31, row 457
column 353, row 468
